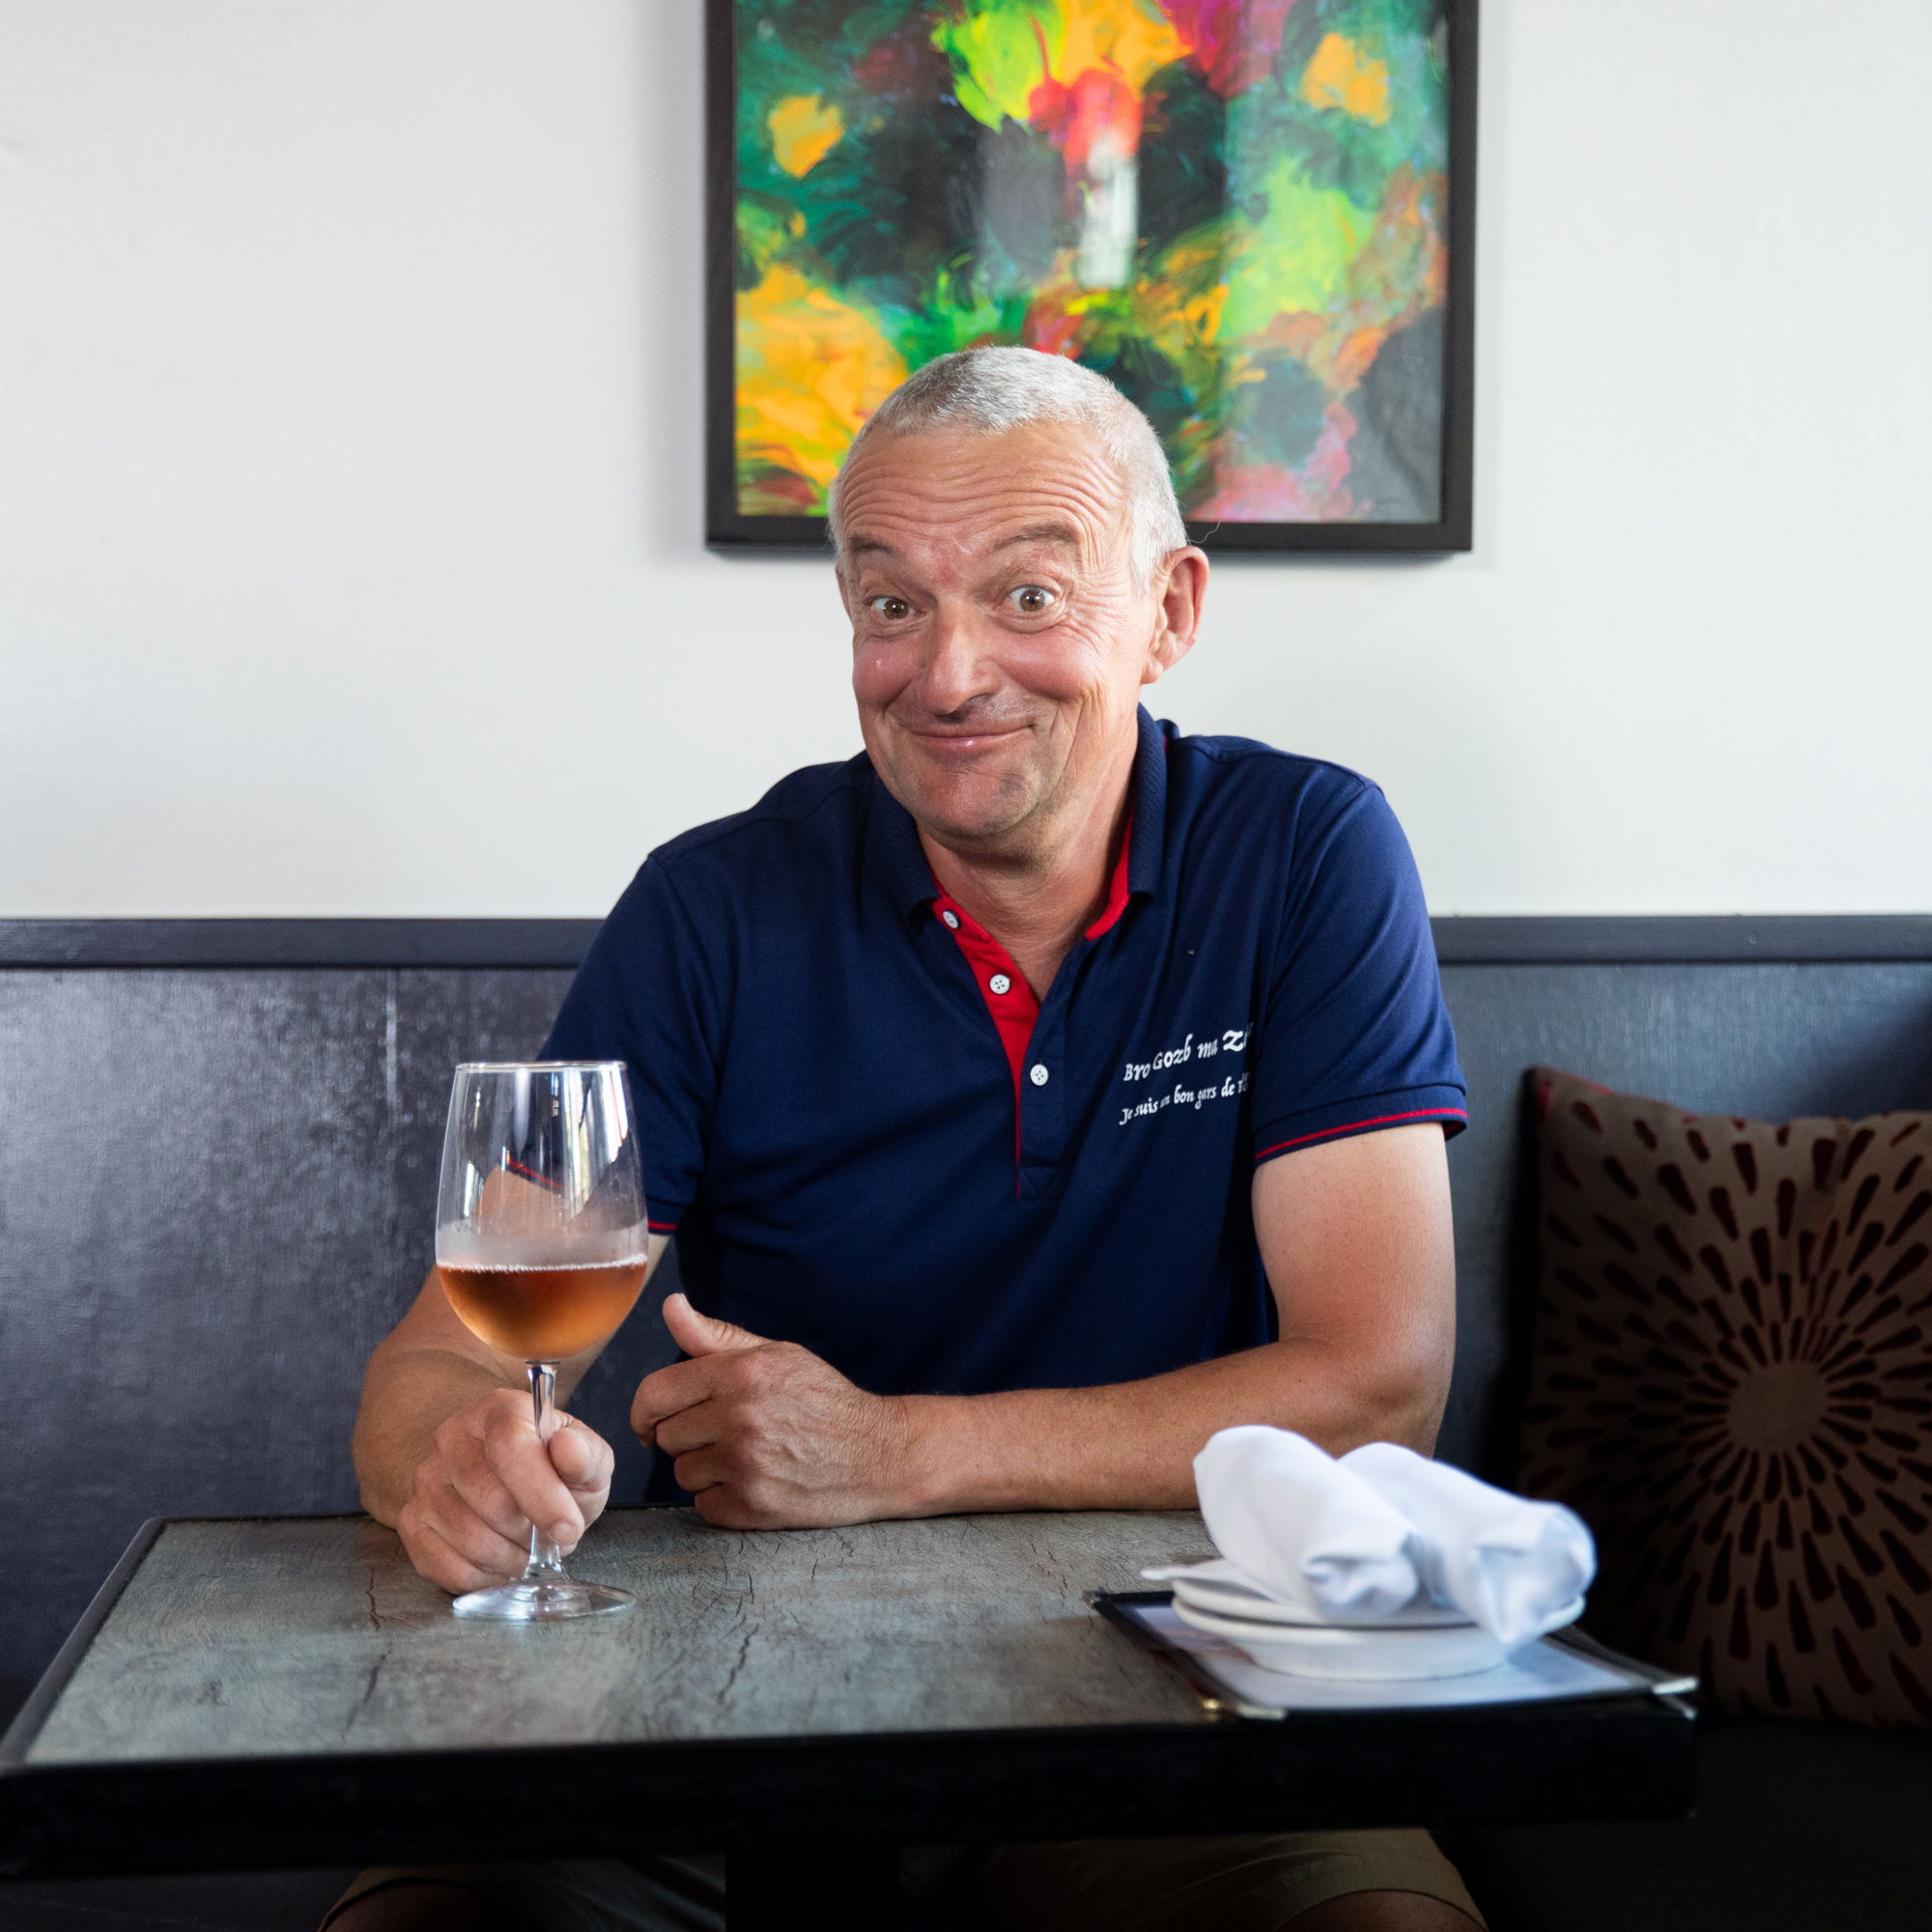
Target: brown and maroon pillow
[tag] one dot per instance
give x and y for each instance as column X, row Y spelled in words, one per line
column 1732, row 1384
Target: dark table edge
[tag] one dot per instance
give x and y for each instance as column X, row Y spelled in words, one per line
column 288, row 1812
column 559, row 944
column 54, row 1679
column 1332, row 1770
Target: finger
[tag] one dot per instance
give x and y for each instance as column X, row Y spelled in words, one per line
column 459, row 1460
column 666, row 1392
column 725, row 1508
column 523, row 1466
column 700, row 1334
column 490, row 1550
column 435, row 1557
column 479, row 1490
column 584, row 1460
column 694, row 1428
column 699, row 1469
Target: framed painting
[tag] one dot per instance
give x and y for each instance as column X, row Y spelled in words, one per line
column 1255, row 217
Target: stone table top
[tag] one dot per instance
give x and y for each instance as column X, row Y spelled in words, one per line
column 286, row 1691
column 313, row 1635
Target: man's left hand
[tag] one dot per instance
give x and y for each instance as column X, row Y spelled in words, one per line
column 767, row 1435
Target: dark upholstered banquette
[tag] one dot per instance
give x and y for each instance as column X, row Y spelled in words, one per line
column 218, row 1164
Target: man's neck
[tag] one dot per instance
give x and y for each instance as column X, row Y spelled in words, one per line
column 1037, row 903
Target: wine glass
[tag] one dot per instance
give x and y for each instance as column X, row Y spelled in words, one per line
column 542, row 1246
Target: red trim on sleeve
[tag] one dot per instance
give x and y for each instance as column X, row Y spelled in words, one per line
column 1356, row 1126
column 662, row 1227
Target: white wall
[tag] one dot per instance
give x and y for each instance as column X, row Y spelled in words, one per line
column 350, row 552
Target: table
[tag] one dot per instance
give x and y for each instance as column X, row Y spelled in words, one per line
column 287, row 1692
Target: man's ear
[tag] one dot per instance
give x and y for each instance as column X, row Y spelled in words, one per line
column 1180, row 593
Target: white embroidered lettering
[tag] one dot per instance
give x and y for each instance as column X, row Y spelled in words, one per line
column 1234, row 1039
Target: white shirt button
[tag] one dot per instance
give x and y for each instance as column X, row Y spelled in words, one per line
column 1000, row 984
column 1039, row 1076
column 951, row 919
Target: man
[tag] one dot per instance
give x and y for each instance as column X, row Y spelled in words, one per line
column 1031, row 1096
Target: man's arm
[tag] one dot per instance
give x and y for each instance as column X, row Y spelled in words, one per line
column 447, row 1454
column 1355, row 1237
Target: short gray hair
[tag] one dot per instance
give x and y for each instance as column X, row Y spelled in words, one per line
column 989, row 392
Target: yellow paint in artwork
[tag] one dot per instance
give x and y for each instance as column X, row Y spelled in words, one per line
column 1131, row 38
column 810, row 370
column 1179, row 305
column 995, row 47
column 1296, row 257
column 1338, row 77
column 1203, row 315
column 1003, row 49
column 804, row 129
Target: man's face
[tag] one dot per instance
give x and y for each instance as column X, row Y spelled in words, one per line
column 999, row 643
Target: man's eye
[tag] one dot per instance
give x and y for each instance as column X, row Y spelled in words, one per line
column 1029, row 600
column 893, row 610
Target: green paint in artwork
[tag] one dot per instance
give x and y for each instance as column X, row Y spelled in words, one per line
column 1294, row 259
column 995, row 46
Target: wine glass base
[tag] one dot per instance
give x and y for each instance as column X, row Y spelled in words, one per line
column 544, row 1602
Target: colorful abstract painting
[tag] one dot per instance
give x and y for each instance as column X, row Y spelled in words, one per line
column 1235, row 210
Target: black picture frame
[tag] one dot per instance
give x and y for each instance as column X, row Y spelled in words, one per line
column 728, row 530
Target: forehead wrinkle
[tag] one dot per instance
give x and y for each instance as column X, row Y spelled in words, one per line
column 1063, row 534
column 963, row 478
column 948, row 540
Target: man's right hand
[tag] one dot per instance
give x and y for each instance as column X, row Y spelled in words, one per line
column 487, row 1479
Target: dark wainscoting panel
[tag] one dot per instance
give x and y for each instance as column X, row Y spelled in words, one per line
column 216, row 1194
column 296, row 942
column 218, row 1142
column 1772, row 1041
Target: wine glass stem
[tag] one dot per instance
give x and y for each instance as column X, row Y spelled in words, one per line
column 546, row 1564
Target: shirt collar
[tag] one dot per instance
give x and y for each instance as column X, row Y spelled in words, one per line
column 1148, row 789
column 909, row 878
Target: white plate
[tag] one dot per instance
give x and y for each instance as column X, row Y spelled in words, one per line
column 1222, row 1595
column 1352, row 1652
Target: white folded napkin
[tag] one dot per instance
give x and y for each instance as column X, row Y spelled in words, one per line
column 1303, row 1527
column 1364, row 1536
column 1518, row 1568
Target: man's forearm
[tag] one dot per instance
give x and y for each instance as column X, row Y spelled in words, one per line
column 1131, row 1446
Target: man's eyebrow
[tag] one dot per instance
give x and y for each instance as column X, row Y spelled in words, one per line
column 1063, row 534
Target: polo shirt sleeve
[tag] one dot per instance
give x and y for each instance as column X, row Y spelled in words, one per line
column 1354, row 1035
column 645, row 995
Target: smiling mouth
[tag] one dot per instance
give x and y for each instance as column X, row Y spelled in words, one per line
column 958, row 743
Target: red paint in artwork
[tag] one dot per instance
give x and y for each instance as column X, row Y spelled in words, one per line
column 1233, row 42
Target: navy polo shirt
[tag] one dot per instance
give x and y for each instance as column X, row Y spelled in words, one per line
column 868, row 1141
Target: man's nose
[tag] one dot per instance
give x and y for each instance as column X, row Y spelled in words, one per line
column 958, row 667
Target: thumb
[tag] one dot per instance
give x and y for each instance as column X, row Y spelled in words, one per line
column 700, row 1334
column 581, row 1457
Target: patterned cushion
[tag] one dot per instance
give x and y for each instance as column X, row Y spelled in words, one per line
column 1732, row 1384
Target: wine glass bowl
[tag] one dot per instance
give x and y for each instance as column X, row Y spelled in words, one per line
column 542, row 1246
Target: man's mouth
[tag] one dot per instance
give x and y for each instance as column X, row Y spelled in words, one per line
column 951, row 741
